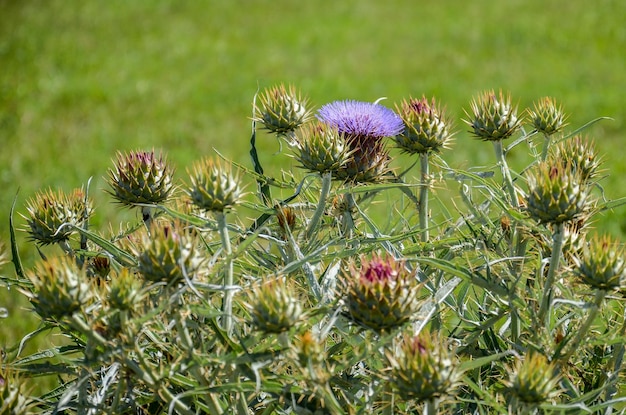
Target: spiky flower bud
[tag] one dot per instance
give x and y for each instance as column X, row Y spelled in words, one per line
column 286, row 217
column 369, row 164
column 580, row 155
column 167, row 252
column 426, row 127
column 601, row 264
column 533, row 381
column 282, row 110
column 380, row 293
column 213, row 187
column 547, row 117
column 321, row 148
column 493, row 117
column 422, row 368
column 141, row 177
column 48, row 210
column 124, row 290
column 274, row 307
column 100, row 266
column 555, row 193
column 59, row 288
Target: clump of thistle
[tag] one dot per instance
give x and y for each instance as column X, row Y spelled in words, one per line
column 60, row 288
column 282, row 110
column 274, row 308
column 601, row 264
column 321, row 148
column 555, row 193
column 167, row 252
column 426, row 127
column 422, row 368
column 213, row 188
column 493, row 117
column 380, row 293
column 49, row 210
column 141, row 177
column 534, row 381
column 580, row 155
column 547, row 117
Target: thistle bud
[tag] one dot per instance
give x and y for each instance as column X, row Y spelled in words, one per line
column 59, row 288
column 321, row 148
column 274, row 308
column 49, row 210
column 282, row 110
column 426, row 127
column 547, row 117
column 368, row 164
column 533, row 381
column 601, row 264
column 422, row 368
column 555, row 194
column 580, row 155
column 381, row 293
column 493, row 117
column 124, row 291
column 141, row 177
column 213, row 186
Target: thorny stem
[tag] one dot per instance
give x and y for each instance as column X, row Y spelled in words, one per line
column 546, row 146
column 557, row 245
column 582, row 331
column 227, row 306
column 423, row 205
column 506, row 172
column 321, row 205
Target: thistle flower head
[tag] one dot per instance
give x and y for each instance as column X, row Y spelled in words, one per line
column 60, row 288
column 282, row 110
column 213, row 188
column 533, row 381
column 141, row 177
column 493, row 117
column 581, row 156
column 48, row 210
column 555, row 193
column 422, row 368
column 124, row 290
column 426, row 127
column 321, row 148
column 380, row 293
column 274, row 308
column 601, row 264
column 361, row 120
column 547, row 117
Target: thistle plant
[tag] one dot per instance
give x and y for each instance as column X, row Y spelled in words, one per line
column 547, row 118
column 533, row 381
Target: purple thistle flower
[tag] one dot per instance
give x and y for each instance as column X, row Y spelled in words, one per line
column 360, row 120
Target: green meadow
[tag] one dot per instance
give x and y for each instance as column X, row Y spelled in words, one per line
column 81, row 80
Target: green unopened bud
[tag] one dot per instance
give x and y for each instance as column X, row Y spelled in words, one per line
column 547, row 117
column 213, row 186
column 321, row 148
column 555, row 193
column 580, row 155
column 60, row 288
column 282, row 110
column 49, row 210
column 422, row 368
column 124, row 291
column 274, row 308
column 493, row 117
column 381, row 293
column 533, row 381
column 601, row 264
column 426, row 127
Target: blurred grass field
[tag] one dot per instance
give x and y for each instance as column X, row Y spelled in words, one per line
column 80, row 80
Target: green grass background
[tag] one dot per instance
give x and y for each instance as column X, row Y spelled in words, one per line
column 80, row 80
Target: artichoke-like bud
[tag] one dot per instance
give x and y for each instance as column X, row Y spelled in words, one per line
column 213, row 187
column 381, row 293
column 274, row 308
column 555, row 193
column 282, row 110
column 422, row 368
column 426, row 127
column 48, row 210
column 59, row 288
column 13, row 398
column 321, row 148
column 124, row 291
column 580, row 155
column 533, row 381
column 368, row 163
column 547, row 117
column 601, row 264
column 493, row 117
column 141, row 177
column 167, row 252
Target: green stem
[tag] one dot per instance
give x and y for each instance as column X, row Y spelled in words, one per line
column 321, row 205
column 431, row 407
column 506, row 172
column 423, row 205
column 582, row 331
column 227, row 306
column 546, row 146
column 347, row 221
column 557, row 244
